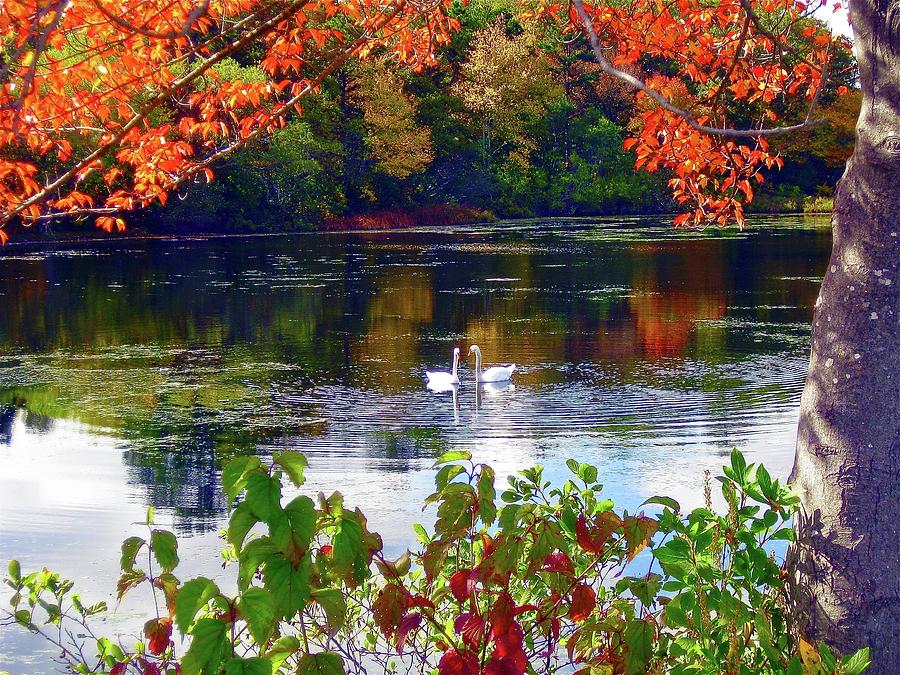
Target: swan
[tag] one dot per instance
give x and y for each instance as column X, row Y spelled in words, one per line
column 493, row 374
column 443, row 381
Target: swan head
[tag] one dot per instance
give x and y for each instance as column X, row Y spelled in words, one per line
column 474, row 349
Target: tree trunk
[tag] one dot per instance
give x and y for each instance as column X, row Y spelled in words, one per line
column 844, row 582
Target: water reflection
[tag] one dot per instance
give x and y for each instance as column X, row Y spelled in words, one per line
column 641, row 349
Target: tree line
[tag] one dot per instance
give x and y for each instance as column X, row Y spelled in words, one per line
column 513, row 120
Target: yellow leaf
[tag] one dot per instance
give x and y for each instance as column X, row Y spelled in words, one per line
column 809, row 657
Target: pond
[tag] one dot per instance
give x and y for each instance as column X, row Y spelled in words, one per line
column 130, row 369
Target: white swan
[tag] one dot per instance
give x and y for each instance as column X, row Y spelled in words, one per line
column 443, row 381
column 493, row 374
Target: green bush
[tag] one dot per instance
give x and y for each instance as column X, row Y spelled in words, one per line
column 544, row 579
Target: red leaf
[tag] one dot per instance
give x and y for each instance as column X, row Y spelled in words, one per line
column 508, row 658
column 407, row 625
column 471, row 627
column 118, row 669
column 149, row 668
column 502, row 614
column 559, row 562
column 583, row 602
column 158, row 632
column 592, row 539
column 462, row 583
column 458, row 663
column 389, row 608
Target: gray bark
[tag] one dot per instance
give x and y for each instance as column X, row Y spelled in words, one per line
column 844, row 582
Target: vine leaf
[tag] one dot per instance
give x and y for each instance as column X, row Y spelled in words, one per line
column 191, row 597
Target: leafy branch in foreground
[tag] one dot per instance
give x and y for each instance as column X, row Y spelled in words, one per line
column 547, row 579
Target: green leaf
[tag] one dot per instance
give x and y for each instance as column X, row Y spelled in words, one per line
column 856, row 663
column 454, row 514
column 738, row 464
column 664, row 501
column 234, row 475
column 587, row 473
column 293, row 529
column 784, row 534
column 446, row 474
column 678, row 610
column 353, row 547
column 191, row 597
column 293, row 464
column 257, row 606
column 165, row 549
column 251, row 666
column 644, row 589
column 264, row 496
column 281, row 650
column 130, row 548
column 15, row 571
column 332, row 601
column 289, row 585
column 241, row 522
column 486, row 495
column 764, row 635
column 324, row 663
column 638, row 636
column 403, row 563
column 207, row 646
column 508, row 516
column 453, row 456
column 252, row 556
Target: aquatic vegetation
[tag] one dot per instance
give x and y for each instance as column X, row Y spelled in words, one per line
column 546, row 578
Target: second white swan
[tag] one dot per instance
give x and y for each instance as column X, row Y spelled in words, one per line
column 492, row 374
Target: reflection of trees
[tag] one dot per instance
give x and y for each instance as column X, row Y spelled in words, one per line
column 7, row 418
column 672, row 291
column 194, row 353
column 401, row 305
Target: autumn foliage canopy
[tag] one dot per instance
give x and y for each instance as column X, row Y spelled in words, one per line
column 107, row 107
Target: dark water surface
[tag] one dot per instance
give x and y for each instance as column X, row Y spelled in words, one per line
column 129, row 370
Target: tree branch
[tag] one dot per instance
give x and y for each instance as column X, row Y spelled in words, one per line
column 150, row 106
column 686, row 115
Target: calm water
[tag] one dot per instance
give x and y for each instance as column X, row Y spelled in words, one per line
column 130, row 370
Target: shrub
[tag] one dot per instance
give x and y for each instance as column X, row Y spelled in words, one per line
column 545, row 579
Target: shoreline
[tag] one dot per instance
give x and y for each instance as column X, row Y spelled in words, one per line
column 17, row 241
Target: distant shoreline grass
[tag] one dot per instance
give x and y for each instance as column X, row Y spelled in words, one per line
column 792, row 205
column 392, row 219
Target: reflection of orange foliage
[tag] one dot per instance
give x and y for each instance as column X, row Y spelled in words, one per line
column 404, row 302
column 667, row 305
column 664, row 321
column 389, row 219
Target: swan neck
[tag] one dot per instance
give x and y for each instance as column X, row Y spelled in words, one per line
column 478, row 366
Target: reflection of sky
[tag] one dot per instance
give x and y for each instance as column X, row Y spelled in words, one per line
column 632, row 356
